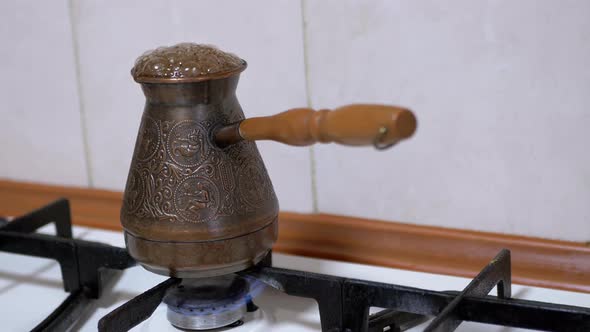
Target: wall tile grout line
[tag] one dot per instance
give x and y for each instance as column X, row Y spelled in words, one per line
column 83, row 122
column 312, row 160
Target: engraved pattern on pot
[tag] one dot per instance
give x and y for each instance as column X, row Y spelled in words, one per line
column 133, row 191
column 148, row 140
column 159, row 192
column 187, row 143
column 251, row 180
column 171, row 186
column 226, row 175
column 196, row 199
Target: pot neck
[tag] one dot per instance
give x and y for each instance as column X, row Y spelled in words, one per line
column 206, row 92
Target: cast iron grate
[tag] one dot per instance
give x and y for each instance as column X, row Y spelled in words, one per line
column 343, row 303
column 83, row 264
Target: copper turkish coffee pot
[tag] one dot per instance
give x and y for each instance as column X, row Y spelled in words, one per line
column 198, row 200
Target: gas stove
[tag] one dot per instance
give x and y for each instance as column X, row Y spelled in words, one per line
column 105, row 290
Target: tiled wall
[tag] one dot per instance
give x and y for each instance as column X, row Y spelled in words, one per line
column 501, row 90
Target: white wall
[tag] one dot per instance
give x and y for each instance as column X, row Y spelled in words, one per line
column 40, row 132
column 501, row 90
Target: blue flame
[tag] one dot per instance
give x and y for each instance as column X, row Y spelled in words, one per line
column 255, row 288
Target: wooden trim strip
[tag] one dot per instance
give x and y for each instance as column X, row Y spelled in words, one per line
column 536, row 262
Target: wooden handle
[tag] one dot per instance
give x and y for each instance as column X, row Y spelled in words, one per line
column 359, row 124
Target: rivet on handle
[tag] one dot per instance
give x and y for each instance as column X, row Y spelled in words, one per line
column 378, row 141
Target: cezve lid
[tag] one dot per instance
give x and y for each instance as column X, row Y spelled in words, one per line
column 186, row 62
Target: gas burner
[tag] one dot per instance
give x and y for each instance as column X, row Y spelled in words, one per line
column 256, row 321
column 209, row 303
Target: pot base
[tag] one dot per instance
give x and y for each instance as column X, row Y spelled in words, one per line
column 202, row 259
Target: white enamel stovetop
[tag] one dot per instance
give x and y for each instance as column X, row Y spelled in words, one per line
column 30, row 288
